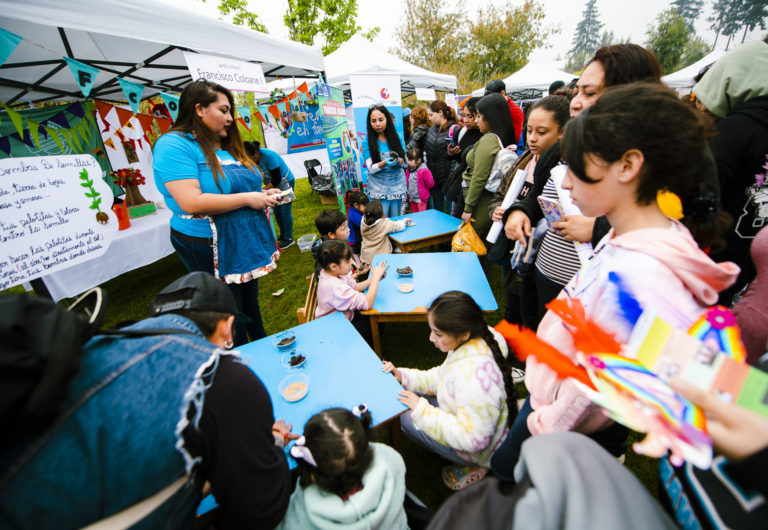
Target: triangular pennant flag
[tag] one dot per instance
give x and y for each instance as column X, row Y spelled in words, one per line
column 43, row 132
column 60, row 120
column 85, row 74
column 98, row 151
column 120, row 135
column 103, row 109
column 123, row 116
column 91, row 119
column 15, row 118
column 132, row 93
column 164, row 124
column 33, row 128
column 64, row 134
column 293, row 95
column 77, row 110
column 136, row 145
column 53, row 134
column 108, row 142
column 75, row 139
column 264, row 110
column 171, row 103
column 83, row 130
column 129, row 125
column 8, row 43
column 5, row 144
column 146, row 121
column 24, row 138
column 274, row 111
column 245, row 114
column 260, row 117
column 303, row 88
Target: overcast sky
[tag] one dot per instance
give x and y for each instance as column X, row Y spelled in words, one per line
column 626, row 18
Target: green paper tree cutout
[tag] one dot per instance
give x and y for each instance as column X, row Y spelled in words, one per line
column 101, row 217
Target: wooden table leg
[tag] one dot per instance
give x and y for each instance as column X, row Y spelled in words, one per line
column 375, row 335
column 395, row 434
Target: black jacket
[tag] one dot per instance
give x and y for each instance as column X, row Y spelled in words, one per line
column 438, row 161
column 740, row 149
column 418, row 138
column 530, row 205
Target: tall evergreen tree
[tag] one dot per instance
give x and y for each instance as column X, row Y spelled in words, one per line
column 726, row 18
column 586, row 38
column 689, row 10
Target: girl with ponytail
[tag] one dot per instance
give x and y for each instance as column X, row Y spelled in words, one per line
column 461, row 409
column 345, row 479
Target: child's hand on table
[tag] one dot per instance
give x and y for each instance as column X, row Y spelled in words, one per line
column 408, row 221
column 389, row 368
column 409, row 399
column 379, row 271
column 282, row 431
column 361, row 271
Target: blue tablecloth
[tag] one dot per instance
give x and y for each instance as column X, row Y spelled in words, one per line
column 433, row 274
column 429, row 223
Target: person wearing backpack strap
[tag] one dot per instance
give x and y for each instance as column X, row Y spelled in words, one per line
column 494, row 122
column 463, row 141
column 147, row 420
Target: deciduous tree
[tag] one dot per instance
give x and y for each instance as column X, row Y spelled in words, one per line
column 668, row 39
column 240, row 14
column 334, row 20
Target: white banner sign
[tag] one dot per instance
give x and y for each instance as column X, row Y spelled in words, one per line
column 450, row 100
column 368, row 89
column 54, row 213
column 229, row 73
column 426, row 94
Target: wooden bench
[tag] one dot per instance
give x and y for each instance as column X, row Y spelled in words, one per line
column 307, row 313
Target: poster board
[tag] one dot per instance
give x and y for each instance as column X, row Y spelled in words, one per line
column 339, row 141
column 54, row 213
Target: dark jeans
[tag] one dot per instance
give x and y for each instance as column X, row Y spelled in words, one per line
column 437, row 198
column 284, row 218
column 547, row 290
column 613, row 439
column 199, row 257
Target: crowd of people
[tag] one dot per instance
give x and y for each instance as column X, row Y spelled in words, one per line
column 611, row 151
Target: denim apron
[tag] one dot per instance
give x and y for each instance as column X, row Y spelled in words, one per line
column 244, row 247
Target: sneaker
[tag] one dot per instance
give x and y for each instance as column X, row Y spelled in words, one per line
column 518, row 375
column 458, row 478
column 283, row 244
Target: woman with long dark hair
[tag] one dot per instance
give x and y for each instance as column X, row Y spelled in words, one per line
column 495, row 123
column 384, row 157
column 443, row 120
column 213, row 188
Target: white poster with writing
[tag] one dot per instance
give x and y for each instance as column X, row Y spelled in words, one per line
column 229, row 73
column 426, row 94
column 54, row 213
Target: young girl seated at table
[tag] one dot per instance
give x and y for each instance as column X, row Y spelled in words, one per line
column 376, row 229
column 337, row 291
column 345, row 480
column 356, row 202
column 461, row 409
column 333, row 225
column 619, row 156
column 419, row 180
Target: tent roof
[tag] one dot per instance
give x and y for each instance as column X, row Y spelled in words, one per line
column 532, row 76
column 142, row 40
column 360, row 56
column 684, row 78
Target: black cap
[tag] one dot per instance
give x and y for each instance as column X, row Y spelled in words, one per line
column 495, row 87
column 195, row 291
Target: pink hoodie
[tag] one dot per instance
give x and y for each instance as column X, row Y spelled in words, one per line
column 664, row 269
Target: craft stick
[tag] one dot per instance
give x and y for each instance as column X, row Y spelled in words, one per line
column 530, row 247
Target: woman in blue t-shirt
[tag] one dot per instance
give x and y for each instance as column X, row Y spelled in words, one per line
column 384, row 157
column 276, row 174
column 213, row 188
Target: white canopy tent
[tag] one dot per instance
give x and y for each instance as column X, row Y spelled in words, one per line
column 532, row 77
column 684, row 78
column 360, row 56
column 141, row 40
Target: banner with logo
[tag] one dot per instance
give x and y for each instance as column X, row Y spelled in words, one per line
column 370, row 89
column 229, row 73
column 338, row 140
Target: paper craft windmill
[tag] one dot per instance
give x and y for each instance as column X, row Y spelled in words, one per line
column 630, row 381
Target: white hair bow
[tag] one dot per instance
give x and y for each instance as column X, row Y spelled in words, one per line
column 300, row 450
column 360, row 409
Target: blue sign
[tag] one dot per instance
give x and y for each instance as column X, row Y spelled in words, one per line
column 334, row 148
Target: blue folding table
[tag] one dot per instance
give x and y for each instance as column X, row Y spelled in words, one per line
column 430, row 227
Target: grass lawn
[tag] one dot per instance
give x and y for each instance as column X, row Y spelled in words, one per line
column 405, row 344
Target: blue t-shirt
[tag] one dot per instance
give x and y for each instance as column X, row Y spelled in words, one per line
column 271, row 160
column 389, row 182
column 178, row 156
column 355, row 218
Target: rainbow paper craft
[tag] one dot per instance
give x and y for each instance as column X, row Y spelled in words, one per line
column 717, row 328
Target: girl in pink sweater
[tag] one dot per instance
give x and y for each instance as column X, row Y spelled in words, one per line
column 337, row 291
column 619, row 156
column 419, row 180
